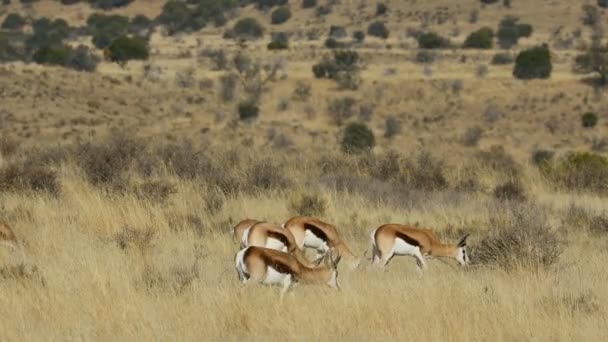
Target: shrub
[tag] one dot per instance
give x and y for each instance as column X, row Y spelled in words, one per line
column 498, row 160
column 431, row 40
column 302, row 91
column 510, row 31
column 425, row 56
column 265, row 174
column 502, row 58
column 248, row 110
column 357, row 138
column 53, row 55
column 392, row 127
column 344, row 69
column 472, row 136
column 533, row 63
column 109, row 4
column 337, row 32
column 47, row 33
column 520, row 237
column 82, row 59
column 105, row 163
column 341, row 109
column 124, row 49
column 602, row 3
column 228, row 86
column 155, row 190
column 309, row 3
column 25, row 177
column 594, row 60
column 480, row 39
column 308, row 205
column 280, row 42
column 140, row 25
column 248, row 28
column 510, row 191
column 579, row 171
column 424, row 172
column 13, row 21
column 262, row 4
column 381, row 9
column 280, row 15
column 359, row 36
column 180, row 16
column 378, row 29
column 589, row 120
column 541, row 157
column 105, row 28
column 9, row 50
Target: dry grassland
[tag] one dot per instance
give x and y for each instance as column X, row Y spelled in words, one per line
column 141, row 250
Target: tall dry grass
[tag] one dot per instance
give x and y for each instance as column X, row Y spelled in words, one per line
column 104, row 262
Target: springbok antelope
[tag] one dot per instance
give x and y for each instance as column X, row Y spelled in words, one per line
column 269, row 266
column 395, row 239
column 313, row 233
column 241, row 227
column 264, row 234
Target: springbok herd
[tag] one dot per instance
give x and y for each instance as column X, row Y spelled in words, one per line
column 275, row 255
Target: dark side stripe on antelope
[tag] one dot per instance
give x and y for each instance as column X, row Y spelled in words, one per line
column 281, row 237
column 408, row 239
column 316, row 231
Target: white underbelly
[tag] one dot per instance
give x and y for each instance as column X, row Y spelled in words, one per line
column 404, row 248
column 312, row 241
column 275, row 244
column 274, row 277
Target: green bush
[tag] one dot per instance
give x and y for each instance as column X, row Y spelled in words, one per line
column 280, row 15
column 262, row 4
column 343, row 61
column 53, row 55
column 179, row 16
column 580, row 171
column 13, row 21
column 381, row 9
column 105, row 28
column 46, row 33
column 109, row 4
column 248, row 110
column 431, row 40
column 357, row 138
column 589, row 120
column 480, row 39
column 9, row 50
column 279, row 42
column 359, row 36
column 533, row 63
column 378, row 29
column 510, row 31
column 124, row 49
column 502, row 58
column 309, row 3
column 248, row 28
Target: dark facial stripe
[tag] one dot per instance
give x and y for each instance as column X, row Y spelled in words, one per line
column 408, row 239
column 316, row 231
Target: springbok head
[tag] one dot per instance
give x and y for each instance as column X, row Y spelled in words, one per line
column 462, row 255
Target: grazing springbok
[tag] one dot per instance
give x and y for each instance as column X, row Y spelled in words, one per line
column 269, row 266
column 313, row 233
column 241, row 227
column 268, row 235
column 396, row 239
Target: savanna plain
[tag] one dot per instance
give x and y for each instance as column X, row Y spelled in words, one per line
column 123, row 175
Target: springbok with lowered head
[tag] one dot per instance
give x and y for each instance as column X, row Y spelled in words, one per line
column 268, row 235
column 241, row 227
column 395, row 239
column 313, row 233
column 270, row 267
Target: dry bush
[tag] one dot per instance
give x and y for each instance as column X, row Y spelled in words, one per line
column 22, row 273
column 106, row 163
column 266, row 174
column 472, row 136
column 386, row 166
column 341, row 109
column 579, row 217
column 175, row 281
column 23, row 176
column 392, row 127
column 155, row 190
column 424, row 172
column 520, row 237
column 510, row 191
column 578, row 171
column 582, row 303
column 8, row 146
column 498, row 160
column 130, row 237
column 308, row 205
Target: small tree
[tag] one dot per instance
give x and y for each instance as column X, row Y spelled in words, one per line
column 248, row 110
column 510, row 31
column 357, row 138
column 431, row 40
column 13, row 21
column 589, row 120
column 480, row 39
column 248, row 28
column 533, row 63
column 124, row 49
column 280, row 15
column 594, row 60
column 359, row 36
column 378, row 29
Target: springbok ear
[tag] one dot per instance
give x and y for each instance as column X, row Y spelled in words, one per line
column 463, row 241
